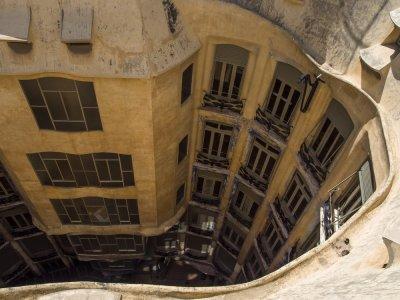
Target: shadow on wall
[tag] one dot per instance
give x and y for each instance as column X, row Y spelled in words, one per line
column 320, row 24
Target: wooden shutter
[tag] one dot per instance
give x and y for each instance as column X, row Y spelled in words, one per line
column 366, row 181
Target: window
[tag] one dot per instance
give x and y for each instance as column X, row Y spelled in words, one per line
column 73, row 170
column 245, row 204
column 96, row 211
column 333, row 131
column 285, row 93
column 254, row 264
column 273, row 239
column 228, row 73
column 296, row 197
column 106, row 244
column 19, row 221
column 233, row 236
column 5, row 187
column 186, row 90
column 63, row 104
column 262, row 159
column 183, row 145
column 202, row 221
column 180, row 194
column 216, row 140
column 208, row 187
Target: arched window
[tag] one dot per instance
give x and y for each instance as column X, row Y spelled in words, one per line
column 228, row 72
column 284, row 95
column 322, row 146
column 332, row 133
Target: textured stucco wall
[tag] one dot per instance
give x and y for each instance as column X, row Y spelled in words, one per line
column 321, row 272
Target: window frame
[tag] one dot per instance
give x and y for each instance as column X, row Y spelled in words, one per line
column 187, row 83
column 296, row 185
column 41, row 104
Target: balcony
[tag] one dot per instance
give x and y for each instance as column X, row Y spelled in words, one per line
column 200, row 231
column 193, row 254
column 205, row 200
column 280, row 217
column 213, row 161
column 25, row 232
column 223, row 104
column 9, row 199
column 270, row 124
column 261, row 185
column 239, row 218
column 309, row 158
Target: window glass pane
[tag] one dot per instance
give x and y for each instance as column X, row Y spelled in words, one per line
column 217, row 188
column 102, row 170
column 217, row 77
column 225, row 145
column 86, row 94
column 199, row 186
column 72, row 106
column 32, row 92
column 216, row 141
column 227, row 80
column 57, row 84
column 55, row 105
column 42, row 117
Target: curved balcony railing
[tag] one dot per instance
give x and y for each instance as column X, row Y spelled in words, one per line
column 221, row 103
column 317, row 170
column 206, row 200
column 200, row 231
column 213, row 161
column 270, row 124
column 261, row 185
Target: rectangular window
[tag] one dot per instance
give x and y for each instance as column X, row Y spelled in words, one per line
column 262, row 159
column 97, row 211
column 63, row 104
column 233, row 236
column 186, row 83
column 106, row 244
column 273, row 239
column 244, row 205
column 6, row 189
column 73, row 170
column 180, row 194
column 20, row 221
column 216, row 140
column 297, row 197
column 208, row 187
column 183, row 145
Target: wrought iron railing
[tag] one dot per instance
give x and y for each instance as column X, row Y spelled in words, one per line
column 282, row 217
column 281, row 129
column 317, row 170
column 212, row 161
column 233, row 105
column 192, row 255
column 252, row 180
column 238, row 217
column 200, row 231
column 205, row 200
column 17, row 233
